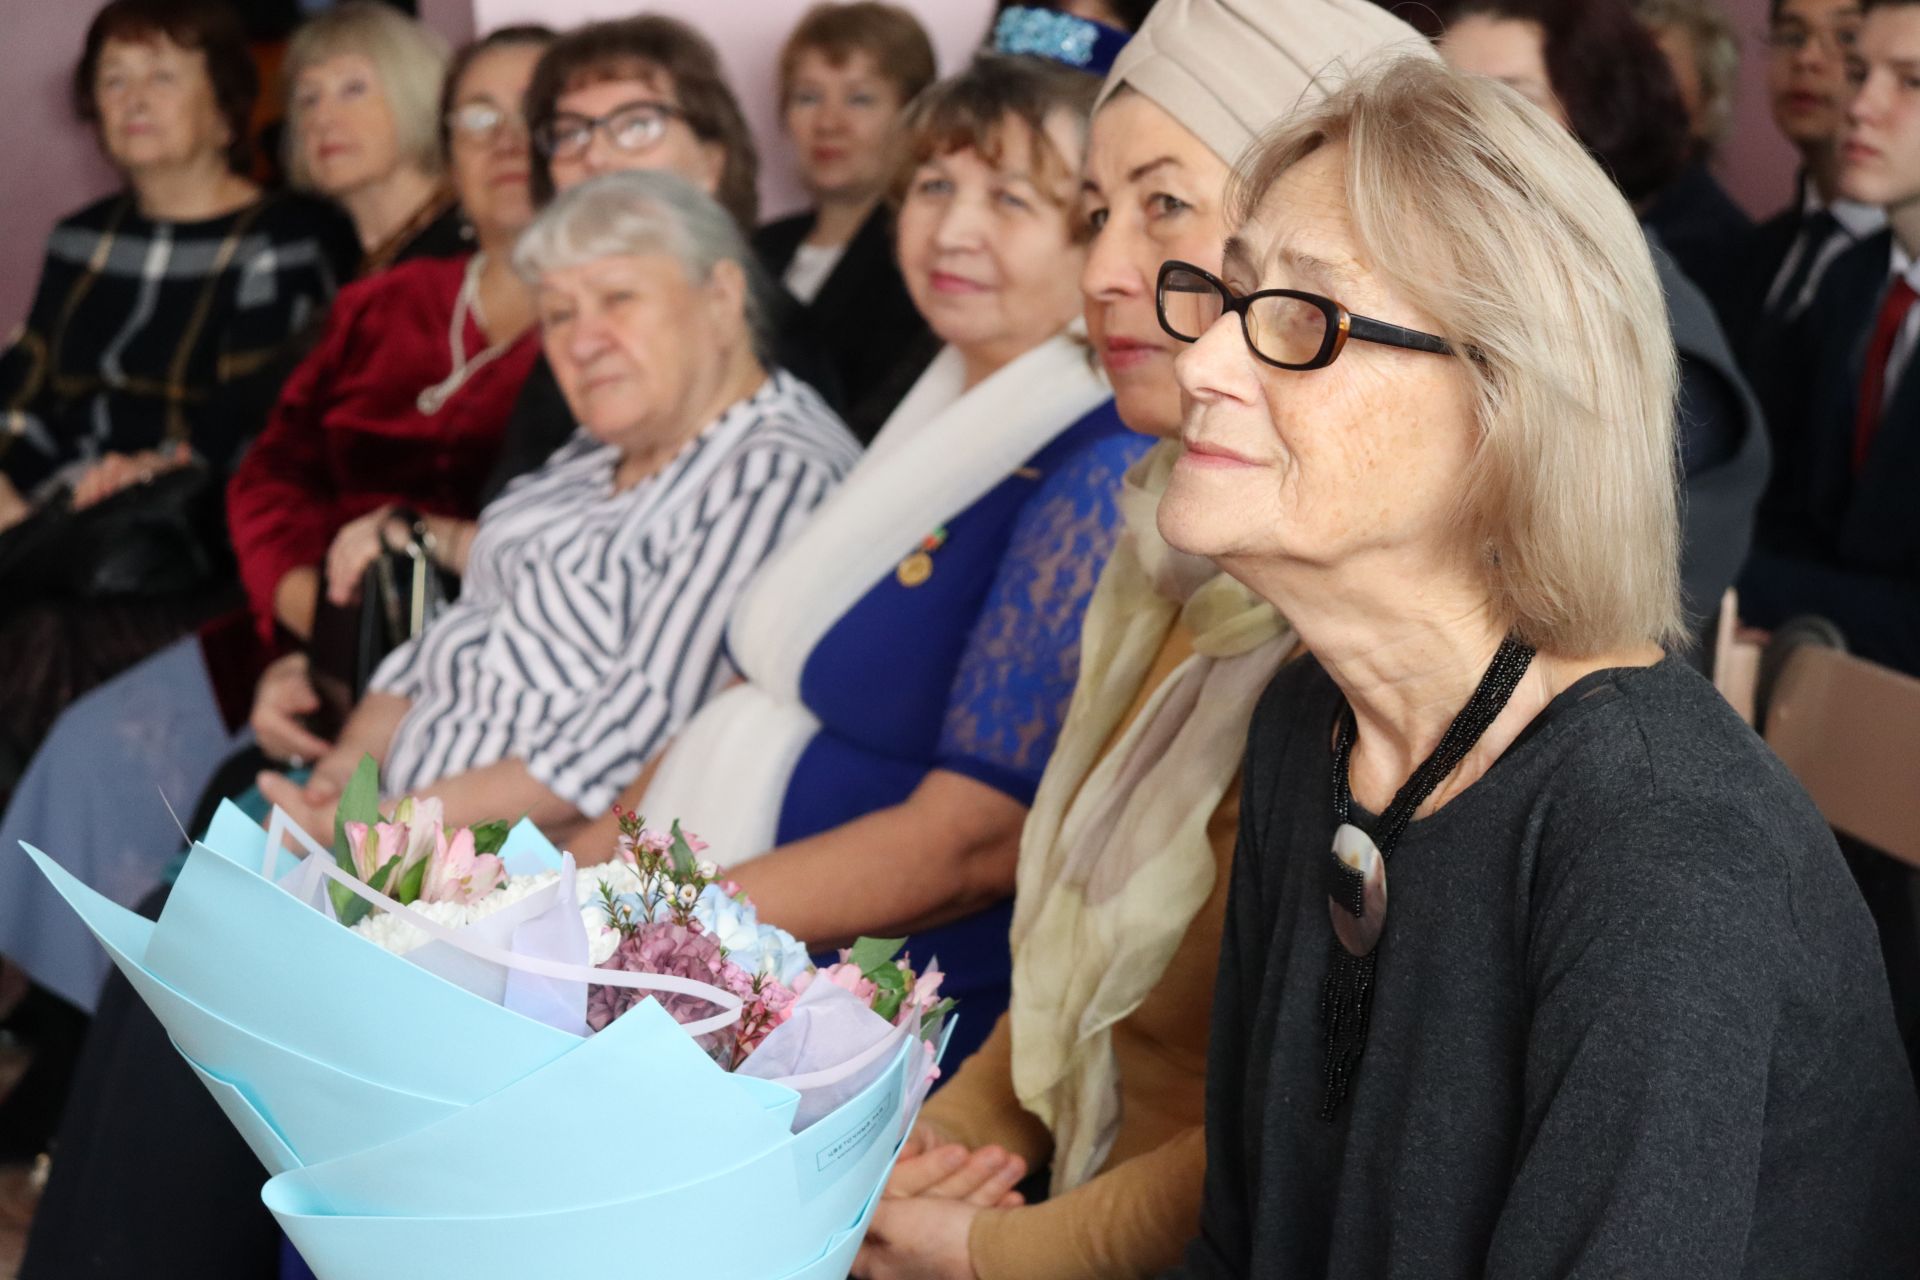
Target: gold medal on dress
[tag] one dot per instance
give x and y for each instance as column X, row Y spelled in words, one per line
column 918, row 566
column 915, row 569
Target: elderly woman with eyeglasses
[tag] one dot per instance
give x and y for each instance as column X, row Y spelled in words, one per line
column 643, row 93
column 1536, row 962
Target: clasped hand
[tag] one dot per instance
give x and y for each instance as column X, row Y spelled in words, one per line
column 920, row 1229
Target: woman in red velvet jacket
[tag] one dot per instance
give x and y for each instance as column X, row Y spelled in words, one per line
column 403, row 402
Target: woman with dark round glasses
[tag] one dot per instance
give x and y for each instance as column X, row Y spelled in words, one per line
column 1536, row 962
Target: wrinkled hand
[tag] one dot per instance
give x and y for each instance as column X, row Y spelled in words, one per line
column 919, row 1231
column 117, row 471
column 919, row 1238
column 312, row 806
column 948, row 1171
column 282, row 697
column 357, row 545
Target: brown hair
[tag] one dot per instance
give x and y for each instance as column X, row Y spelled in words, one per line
column 526, row 35
column 969, row 112
column 888, row 34
column 211, row 26
column 649, row 48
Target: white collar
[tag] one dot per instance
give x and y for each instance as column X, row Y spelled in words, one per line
column 1858, row 220
column 1904, row 265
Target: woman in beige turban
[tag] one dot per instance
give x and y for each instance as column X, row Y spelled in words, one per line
column 1097, row 1070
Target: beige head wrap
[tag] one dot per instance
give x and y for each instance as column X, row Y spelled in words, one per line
column 1228, row 69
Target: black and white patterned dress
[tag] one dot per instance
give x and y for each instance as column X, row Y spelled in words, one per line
column 591, row 623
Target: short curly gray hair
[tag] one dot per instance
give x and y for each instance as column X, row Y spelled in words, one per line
column 643, row 211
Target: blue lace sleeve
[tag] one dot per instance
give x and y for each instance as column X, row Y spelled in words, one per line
column 1017, row 674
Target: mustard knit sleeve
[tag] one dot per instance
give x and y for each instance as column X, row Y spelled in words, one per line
column 1134, row 1220
column 978, row 1107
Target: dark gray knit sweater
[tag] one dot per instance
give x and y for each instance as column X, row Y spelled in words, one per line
column 1631, row 1018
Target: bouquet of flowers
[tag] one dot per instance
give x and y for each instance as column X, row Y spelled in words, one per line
column 424, row 1031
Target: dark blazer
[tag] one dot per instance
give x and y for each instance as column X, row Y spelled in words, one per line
column 1723, row 445
column 1843, row 546
column 1743, row 312
column 865, row 323
column 1705, row 231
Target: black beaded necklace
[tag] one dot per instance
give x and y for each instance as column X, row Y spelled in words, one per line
column 1357, row 871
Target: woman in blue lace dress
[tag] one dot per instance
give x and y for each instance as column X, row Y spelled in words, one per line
column 909, row 656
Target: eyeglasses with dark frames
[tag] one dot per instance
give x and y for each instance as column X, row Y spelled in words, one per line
column 1286, row 328
column 633, row 127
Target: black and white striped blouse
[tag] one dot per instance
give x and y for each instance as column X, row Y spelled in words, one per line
column 591, row 623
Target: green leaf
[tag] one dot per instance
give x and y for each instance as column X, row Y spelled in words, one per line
column 360, row 802
column 932, row 1020
column 681, row 852
column 894, row 983
column 490, row 837
column 869, row 954
column 407, row 892
column 379, row 882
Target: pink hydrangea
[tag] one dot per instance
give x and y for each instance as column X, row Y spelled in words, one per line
column 680, row 951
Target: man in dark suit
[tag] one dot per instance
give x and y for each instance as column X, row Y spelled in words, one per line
column 1787, row 255
column 1840, row 530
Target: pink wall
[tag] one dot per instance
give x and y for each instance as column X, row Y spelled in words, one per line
column 1756, row 164
column 50, row 163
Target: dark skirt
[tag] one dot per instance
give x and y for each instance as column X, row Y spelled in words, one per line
column 149, row 1179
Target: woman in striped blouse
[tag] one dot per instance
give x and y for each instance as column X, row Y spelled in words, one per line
column 598, row 587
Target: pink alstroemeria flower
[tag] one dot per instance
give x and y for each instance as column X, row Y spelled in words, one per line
column 389, row 842
column 456, row 874
column 840, row 975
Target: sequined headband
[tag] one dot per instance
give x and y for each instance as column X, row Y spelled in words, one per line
column 1080, row 43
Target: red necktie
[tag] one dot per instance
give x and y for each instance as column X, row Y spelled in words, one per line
column 1873, row 382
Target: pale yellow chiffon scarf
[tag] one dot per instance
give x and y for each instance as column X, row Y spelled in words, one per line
column 1115, row 861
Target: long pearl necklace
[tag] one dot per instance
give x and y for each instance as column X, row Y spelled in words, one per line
column 435, row 397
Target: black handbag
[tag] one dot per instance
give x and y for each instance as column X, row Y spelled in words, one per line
column 400, row 593
column 148, row 539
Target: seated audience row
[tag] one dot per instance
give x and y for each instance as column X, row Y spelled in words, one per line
column 1018, row 645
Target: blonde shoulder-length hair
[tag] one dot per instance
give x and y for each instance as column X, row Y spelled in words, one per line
column 409, row 59
column 1476, row 207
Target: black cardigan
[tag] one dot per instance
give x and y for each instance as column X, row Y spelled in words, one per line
column 863, row 319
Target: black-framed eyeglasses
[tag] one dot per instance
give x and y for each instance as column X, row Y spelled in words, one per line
column 633, row 127
column 482, row 121
column 1284, row 327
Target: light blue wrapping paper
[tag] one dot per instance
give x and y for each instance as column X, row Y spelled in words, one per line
column 417, row 1131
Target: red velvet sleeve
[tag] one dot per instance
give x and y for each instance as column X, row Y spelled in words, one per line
column 282, row 503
